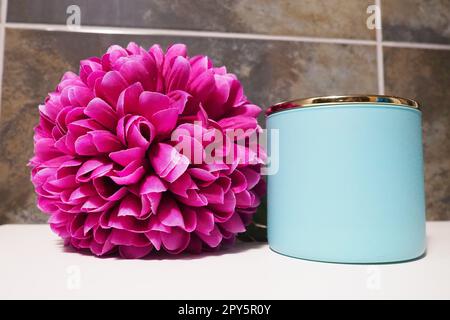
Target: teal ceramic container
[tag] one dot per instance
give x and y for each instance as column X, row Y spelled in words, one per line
column 350, row 184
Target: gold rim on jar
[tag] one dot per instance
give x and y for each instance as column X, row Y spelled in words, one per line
column 340, row 100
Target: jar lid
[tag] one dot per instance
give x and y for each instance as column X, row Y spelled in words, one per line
column 340, row 100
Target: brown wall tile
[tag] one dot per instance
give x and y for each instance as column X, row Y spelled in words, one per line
column 416, row 20
column 321, row 18
column 423, row 75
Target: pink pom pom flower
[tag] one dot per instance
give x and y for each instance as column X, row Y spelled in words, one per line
column 122, row 154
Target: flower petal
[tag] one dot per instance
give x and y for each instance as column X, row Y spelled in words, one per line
column 165, row 121
column 178, row 100
column 202, row 174
column 179, row 74
column 155, row 238
column 247, row 110
column 189, row 218
column 205, row 221
column 175, row 241
column 213, row 193
column 128, row 238
column 101, row 112
column 110, row 87
column 238, row 181
column 135, row 72
column 131, row 174
column 212, row 239
column 167, row 162
column 93, row 168
column 131, row 252
column 172, row 53
column 244, row 199
column 228, row 205
column 85, row 146
column 234, row 224
column 238, row 122
column 128, row 102
column 152, row 183
column 129, row 206
column 202, row 86
column 105, row 141
column 152, row 102
column 182, row 184
column 108, row 190
column 193, row 199
column 124, row 157
column 251, row 176
column 169, row 213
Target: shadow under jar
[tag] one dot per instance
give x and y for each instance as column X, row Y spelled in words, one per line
column 350, row 184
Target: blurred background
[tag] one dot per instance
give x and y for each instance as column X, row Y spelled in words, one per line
column 280, row 50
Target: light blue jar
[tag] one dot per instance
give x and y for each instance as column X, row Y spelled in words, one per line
column 350, row 184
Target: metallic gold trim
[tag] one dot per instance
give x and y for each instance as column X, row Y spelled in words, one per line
column 339, row 100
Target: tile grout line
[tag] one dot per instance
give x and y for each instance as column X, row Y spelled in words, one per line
column 4, row 8
column 416, row 45
column 214, row 34
column 187, row 33
column 379, row 48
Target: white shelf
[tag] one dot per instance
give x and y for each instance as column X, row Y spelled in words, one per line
column 34, row 264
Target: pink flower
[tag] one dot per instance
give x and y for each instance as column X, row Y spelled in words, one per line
column 109, row 173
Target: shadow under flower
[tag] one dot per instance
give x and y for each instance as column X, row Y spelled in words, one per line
column 237, row 248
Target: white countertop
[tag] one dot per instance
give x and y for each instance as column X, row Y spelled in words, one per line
column 34, row 264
